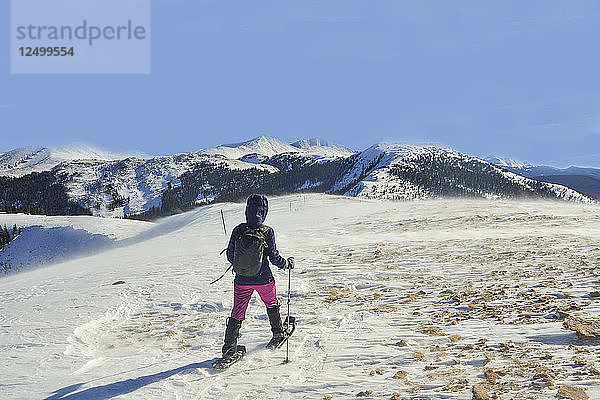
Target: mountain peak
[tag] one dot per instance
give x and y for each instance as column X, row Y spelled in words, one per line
column 507, row 162
column 263, row 145
column 269, row 146
column 258, row 141
column 322, row 144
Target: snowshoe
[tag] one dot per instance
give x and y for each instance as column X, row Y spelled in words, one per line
column 278, row 340
column 230, row 359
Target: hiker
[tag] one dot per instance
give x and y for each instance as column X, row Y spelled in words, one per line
column 251, row 247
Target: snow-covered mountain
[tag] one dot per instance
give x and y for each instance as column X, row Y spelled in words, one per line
column 508, row 163
column 26, row 160
column 429, row 300
column 323, row 147
column 263, row 145
column 404, row 171
column 107, row 185
column 134, row 185
column 111, row 184
column 268, row 147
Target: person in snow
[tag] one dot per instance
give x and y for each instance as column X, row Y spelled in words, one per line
column 263, row 282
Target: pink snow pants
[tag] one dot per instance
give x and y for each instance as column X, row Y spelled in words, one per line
column 242, row 295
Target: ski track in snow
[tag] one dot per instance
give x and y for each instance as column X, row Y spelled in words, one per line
column 378, row 286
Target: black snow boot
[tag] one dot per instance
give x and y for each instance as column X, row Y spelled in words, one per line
column 276, row 328
column 231, row 335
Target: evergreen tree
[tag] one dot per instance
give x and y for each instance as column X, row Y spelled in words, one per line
column 5, row 235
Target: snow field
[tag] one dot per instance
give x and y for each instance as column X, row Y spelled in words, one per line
column 417, row 298
column 48, row 240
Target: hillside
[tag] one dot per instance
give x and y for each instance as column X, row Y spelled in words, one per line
column 134, row 185
column 427, row 299
column 49, row 240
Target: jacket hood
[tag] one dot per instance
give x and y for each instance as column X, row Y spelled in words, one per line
column 257, row 207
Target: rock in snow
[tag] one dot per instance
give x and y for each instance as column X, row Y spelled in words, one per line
column 572, row 393
column 589, row 328
column 480, row 392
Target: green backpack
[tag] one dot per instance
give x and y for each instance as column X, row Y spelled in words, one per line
column 248, row 253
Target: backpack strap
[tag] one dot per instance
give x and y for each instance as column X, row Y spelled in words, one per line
column 264, row 229
column 241, row 228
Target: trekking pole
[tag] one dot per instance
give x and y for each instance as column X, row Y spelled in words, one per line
column 223, row 219
column 230, row 266
column 219, row 278
column 287, row 342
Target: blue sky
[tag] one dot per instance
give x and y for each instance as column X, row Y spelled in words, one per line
column 510, row 78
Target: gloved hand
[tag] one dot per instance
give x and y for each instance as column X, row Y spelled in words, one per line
column 289, row 264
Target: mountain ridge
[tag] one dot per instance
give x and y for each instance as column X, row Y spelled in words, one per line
column 270, row 146
column 377, row 169
column 583, row 179
column 25, row 160
column 157, row 186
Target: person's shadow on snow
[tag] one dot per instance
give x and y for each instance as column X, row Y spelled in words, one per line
column 111, row 390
